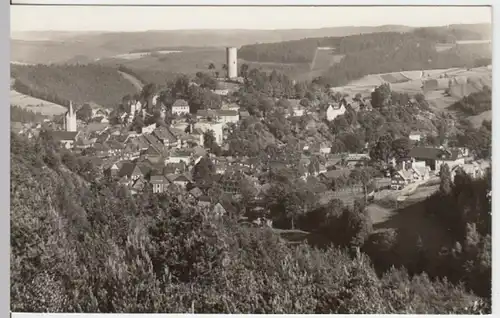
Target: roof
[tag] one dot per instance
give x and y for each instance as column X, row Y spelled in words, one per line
column 332, row 174
column 196, row 192
column 224, row 112
column 126, row 169
column 91, row 127
column 244, row 113
column 158, row 179
column 164, row 133
column 205, row 113
column 428, row 153
column 405, row 174
column 180, row 103
column 64, row 135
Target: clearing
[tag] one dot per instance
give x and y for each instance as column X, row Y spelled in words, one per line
column 36, row 105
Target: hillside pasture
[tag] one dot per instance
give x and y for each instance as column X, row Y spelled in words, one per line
column 477, row 120
column 36, row 105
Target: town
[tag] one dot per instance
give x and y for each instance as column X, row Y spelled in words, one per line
column 338, row 170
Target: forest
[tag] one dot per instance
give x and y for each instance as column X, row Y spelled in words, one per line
column 18, row 114
column 80, row 83
column 89, row 246
column 475, row 103
column 374, row 53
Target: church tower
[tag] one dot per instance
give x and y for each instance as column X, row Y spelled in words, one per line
column 70, row 119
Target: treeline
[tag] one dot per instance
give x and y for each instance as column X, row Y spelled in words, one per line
column 26, row 89
column 463, row 204
column 76, row 248
column 475, row 103
column 300, row 51
column 18, row 114
column 160, row 78
column 79, row 83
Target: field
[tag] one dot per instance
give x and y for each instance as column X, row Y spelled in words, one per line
column 36, row 105
column 477, row 120
column 411, row 82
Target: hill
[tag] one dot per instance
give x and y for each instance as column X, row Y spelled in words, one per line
column 77, row 247
column 57, row 47
column 79, row 83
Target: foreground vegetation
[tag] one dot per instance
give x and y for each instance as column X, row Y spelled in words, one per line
column 96, row 249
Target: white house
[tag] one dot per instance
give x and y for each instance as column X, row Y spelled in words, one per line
column 217, row 129
column 227, row 116
column 178, row 157
column 148, row 129
column 415, row 136
column 334, row 110
column 180, row 107
column 221, row 92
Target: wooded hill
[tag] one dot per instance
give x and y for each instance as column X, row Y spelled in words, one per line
column 79, row 83
column 377, row 52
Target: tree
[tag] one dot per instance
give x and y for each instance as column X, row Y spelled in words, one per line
column 445, row 176
column 381, row 96
column 203, row 173
column 244, row 70
column 382, row 150
column 84, row 113
column 401, row 148
column 363, row 176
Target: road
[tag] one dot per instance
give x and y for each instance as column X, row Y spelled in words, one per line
column 137, row 84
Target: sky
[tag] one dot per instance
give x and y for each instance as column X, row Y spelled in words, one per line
column 88, row 18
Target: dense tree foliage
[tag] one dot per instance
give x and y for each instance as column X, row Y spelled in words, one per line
column 21, row 115
column 475, row 103
column 375, row 52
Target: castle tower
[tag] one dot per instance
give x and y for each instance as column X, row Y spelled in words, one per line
column 232, row 65
column 70, row 119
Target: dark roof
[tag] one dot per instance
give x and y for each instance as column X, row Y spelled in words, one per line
column 204, row 198
column 126, row 169
column 196, row 192
column 64, row 135
column 164, row 133
column 158, row 179
column 335, row 173
column 223, row 112
column 244, row 113
column 428, row 153
column 205, row 113
column 180, row 102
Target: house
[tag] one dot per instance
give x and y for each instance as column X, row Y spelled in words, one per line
column 166, row 137
column 221, row 92
column 137, row 186
column 204, row 201
column 159, row 183
column 415, row 136
column 148, row 129
column 227, row 116
column 180, row 180
column 66, row 138
column 178, row 156
column 401, row 179
column 196, row 193
column 334, row 110
column 435, row 157
column 356, row 159
column 112, row 169
column 244, row 114
column 231, row 106
column 217, row 129
column 180, row 107
column 329, row 176
column 420, row 173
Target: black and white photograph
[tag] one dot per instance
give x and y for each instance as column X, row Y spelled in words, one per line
column 251, row 159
